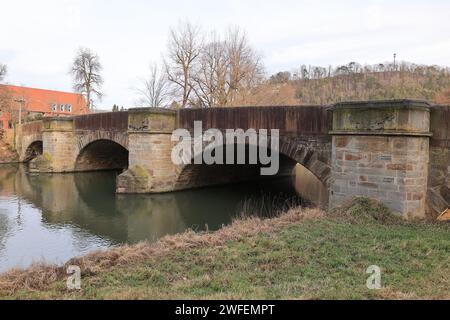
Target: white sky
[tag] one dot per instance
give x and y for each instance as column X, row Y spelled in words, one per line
column 38, row 39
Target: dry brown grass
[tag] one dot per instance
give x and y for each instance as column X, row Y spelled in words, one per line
column 40, row 276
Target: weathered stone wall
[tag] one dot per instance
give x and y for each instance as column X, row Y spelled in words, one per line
column 59, row 150
column 391, row 169
column 381, row 150
column 26, row 135
column 67, row 150
column 58, row 147
column 149, row 141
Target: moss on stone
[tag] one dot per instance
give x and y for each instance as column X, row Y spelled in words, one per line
column 46, row 157
column 139, row 171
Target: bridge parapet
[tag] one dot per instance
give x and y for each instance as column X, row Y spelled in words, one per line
column 289, row 120
column 108, row 121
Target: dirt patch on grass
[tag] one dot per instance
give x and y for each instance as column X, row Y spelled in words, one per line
column 40, row 276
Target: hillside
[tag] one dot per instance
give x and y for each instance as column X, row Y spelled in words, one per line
column 319, row 85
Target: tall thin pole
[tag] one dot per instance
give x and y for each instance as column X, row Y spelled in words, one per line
column 20, row 101
column 20, row 112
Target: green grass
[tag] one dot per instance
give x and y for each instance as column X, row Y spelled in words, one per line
column 322, row 258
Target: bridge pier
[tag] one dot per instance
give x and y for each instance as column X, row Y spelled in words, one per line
column 381, row 150
column 59, row 150
column 149, row 141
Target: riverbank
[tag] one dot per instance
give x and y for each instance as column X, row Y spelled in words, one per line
column 302, row 254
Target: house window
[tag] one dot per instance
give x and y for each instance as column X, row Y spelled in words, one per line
column 54, row 107
column 61, row 108
column 69, row 108
column 10, row 124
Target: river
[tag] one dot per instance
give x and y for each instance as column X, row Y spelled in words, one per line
column 52, row 218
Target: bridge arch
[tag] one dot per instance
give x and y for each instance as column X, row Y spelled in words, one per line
column 292, row 153
column 84, row 138
column 33, row 149
column 102, row 154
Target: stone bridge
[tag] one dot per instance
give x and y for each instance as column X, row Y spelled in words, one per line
column 395, row 151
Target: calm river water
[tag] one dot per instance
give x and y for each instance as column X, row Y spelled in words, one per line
column 53, row 218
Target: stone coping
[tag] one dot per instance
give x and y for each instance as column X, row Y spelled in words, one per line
column 58, row 119
column 150, row 131
column 153, row 110
column 381, row 104
column 381, row 133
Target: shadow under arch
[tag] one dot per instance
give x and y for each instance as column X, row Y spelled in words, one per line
column 33, row 150
column 198, row 175
column 102, row 154
column 291, row 158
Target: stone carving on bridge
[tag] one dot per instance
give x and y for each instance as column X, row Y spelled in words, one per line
column 378, row 121
column 143, row 126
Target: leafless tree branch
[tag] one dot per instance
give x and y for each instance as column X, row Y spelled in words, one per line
column 154, row 89
column 86, row 72
column 183, row 50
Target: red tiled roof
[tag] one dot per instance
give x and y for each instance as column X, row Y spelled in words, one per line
column 42, row 100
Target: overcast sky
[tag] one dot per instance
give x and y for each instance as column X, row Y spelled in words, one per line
column 38, row 39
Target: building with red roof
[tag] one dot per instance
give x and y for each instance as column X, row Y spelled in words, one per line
column 32, row 103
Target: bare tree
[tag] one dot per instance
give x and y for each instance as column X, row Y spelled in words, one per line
column 3, row 71
column 246, row 69
column 226, row 69
column 154, row 90
column 183, row 49
column 86, row 72
column 209, row 76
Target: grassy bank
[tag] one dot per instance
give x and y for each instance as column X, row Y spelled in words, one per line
column 303, row 254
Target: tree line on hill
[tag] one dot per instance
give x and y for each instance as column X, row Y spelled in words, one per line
column 319, row 85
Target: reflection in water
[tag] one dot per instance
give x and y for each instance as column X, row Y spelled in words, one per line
column 55, row 217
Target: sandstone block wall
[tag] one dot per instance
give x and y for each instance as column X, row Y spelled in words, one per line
column 393, row 170
column 59, row 149
column 150, row 148
column 380, row 149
